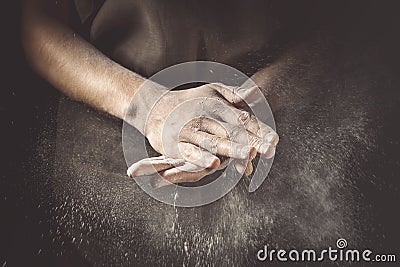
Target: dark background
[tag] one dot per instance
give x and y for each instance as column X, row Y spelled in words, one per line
column 28, row 111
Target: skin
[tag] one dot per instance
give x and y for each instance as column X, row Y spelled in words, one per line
column 193, row 136
column 83, row 73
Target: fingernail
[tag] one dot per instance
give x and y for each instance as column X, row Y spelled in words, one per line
column 264, row 148
column 272, row 138
column 240, row 168
column 131, row 171
column 271, row 152
column 213, row 162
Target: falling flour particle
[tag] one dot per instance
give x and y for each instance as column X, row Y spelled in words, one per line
column 186, row 247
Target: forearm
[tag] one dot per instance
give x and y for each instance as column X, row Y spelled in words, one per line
column 267, row 80
column 71, row 64
column 275, row 80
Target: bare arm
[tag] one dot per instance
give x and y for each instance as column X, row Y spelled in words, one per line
column 70, row 63
column 275, row 81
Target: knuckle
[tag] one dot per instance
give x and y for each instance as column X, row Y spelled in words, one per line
column 208, row 143
column 244, row 117
column 186, row 152
column 185, row 133
column 211, row 144
column 254, row 141
column 237, row 133
column 234, row 131
column 215, row 140
column 197, row 123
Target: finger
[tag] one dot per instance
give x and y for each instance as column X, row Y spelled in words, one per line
column 270, row 140
column 180, row 175
column 244, row 167
column 252, row 124
column 251, row 140
column 240, row 166
column 271, row 152
column 249, row 168
column 268, row 134
column 215, row 127
column 224, row 163
column 198, row 156
column 209, row 125
column 233, row 115
column 237, row 116
column 150, row 166
column 238, row 134
column 218, row 145
column 234, row 94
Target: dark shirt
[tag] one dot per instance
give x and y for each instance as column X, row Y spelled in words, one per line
column 147, row 36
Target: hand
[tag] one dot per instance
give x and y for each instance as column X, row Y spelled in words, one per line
column 190, row 125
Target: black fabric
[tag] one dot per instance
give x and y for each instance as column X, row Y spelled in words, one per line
column 147, row 36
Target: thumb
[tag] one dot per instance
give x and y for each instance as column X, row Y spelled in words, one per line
column 237, row 95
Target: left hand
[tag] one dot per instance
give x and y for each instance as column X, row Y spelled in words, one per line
column 186, row 169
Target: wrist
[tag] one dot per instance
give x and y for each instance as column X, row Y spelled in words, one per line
column 141, row 104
